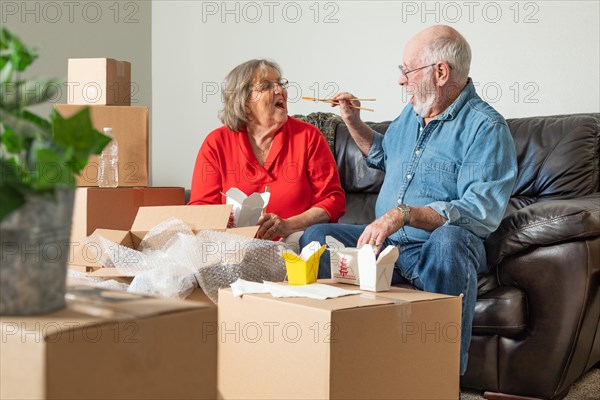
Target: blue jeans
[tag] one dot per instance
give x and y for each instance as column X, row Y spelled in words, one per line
column 448, row 263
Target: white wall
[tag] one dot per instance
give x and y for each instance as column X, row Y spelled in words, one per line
column 530, row 57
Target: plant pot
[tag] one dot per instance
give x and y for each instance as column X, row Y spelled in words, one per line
column 35, row 248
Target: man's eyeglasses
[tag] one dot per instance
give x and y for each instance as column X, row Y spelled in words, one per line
column 406, row 72
column 266, row 86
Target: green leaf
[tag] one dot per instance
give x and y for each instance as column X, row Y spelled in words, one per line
column 9, row 174
column 78, row 133
column 11, row 141
column 20, row 124
column 14, row 52
column 37, row 120
column 10, row 200
column 11, row 190
column 51, row 170
column 21, row 94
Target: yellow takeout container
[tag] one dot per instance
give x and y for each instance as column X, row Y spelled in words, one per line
column 303, row 269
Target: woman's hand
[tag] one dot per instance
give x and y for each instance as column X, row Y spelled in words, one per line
column 230, row 223
column 272, row 226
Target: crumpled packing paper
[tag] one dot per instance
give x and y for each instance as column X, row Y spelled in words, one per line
column 171, row 260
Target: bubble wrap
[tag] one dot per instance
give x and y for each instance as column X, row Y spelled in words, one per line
column 231, row 257
column 171, row 261
column 79, row 278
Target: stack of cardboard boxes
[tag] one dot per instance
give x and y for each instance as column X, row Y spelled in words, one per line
column 110, row 344
column 104, row 85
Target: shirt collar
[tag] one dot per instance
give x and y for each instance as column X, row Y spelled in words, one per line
column 467, row 94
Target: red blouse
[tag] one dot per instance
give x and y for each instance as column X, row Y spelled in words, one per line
column 300, row 170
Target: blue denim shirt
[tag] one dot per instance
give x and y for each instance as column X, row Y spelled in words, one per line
column 462, row 164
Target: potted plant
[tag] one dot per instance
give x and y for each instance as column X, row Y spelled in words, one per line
column 39, row 160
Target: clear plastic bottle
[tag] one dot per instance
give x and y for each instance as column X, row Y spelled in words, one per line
column 108, row 163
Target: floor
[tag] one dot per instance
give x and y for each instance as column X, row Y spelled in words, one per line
column 586, row 388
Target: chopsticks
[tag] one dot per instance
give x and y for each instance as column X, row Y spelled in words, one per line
column 336, row 102
column 332, row 100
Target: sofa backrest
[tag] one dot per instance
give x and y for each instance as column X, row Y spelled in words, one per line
column 557, row 156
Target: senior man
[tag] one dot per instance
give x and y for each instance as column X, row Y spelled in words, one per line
column 450, row 167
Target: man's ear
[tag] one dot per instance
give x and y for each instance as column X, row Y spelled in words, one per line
column 442, row 73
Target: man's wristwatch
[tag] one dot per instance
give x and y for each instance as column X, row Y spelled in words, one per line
column 405, row 213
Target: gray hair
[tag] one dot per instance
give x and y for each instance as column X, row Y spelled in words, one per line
column 237, row 89
column 453, row 49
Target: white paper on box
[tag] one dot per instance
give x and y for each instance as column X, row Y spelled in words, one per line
column 376, row 272
column 247, row 209
column 242, row 287
column 316, row 291
column 344, row 262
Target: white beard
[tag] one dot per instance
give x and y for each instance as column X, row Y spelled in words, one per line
column 426, row 97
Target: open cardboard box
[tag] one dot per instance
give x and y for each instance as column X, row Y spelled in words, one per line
column 204, row 217
column 111, row 208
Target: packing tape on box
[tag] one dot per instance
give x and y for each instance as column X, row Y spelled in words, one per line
column 403, row 312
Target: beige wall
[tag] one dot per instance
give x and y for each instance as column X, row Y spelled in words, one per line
column 79, row 29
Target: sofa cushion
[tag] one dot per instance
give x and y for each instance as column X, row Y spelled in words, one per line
column 502, row 311
column 545, row 223
column 360, row 208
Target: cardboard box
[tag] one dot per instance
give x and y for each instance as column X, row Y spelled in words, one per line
column 401, row 344
column 99, row 81
column 110, row 345
column 130, row 129
column 205, row 217
column 110, row 208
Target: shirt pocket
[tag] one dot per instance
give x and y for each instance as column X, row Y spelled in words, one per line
column 438, row 179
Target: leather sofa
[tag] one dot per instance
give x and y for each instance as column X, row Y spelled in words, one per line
column 536, row 327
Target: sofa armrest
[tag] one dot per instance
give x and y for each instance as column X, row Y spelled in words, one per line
column 545, row 223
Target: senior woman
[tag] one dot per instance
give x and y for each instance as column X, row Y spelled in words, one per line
column 260, row 146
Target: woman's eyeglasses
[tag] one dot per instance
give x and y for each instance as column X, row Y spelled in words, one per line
column 266, row 86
